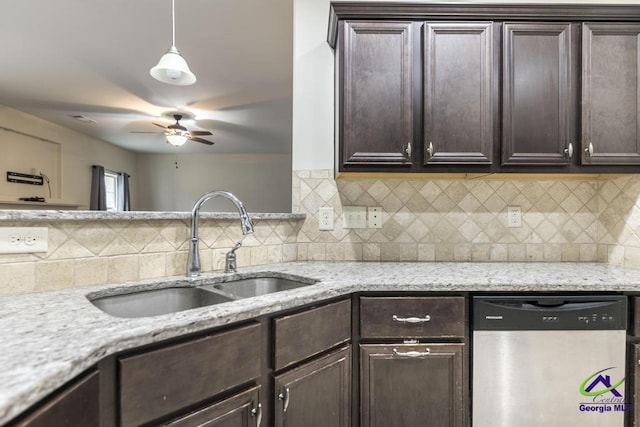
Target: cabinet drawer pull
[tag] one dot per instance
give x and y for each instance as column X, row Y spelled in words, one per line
column 426, row 352
column 257, row 412
column 284, row 396
column 424, row 319
column 430, row 149
column 589, row 149
column 408, row 150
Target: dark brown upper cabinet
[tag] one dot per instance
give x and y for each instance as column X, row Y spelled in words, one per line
column 538, row 124
column 458, row 93
column 529, row 88
column 376, row 95
column 610, row 94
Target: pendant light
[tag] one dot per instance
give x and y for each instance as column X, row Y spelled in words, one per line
column 172, row 67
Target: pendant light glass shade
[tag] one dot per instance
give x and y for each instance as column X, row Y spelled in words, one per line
column 177, row 139
column 172, row 67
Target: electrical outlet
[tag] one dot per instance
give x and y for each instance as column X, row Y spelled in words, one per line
column 375, row 217
column 354, row 217
column 23, row 240
column 325, row 218
column 514, row 217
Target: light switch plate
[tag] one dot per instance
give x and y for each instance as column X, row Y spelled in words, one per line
column 354, row 217
column 23, row 240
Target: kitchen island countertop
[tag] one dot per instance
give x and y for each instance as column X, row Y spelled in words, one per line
column 48, row 338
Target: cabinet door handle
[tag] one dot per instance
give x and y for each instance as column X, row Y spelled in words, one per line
column 569, row 150
column 408, row 150
column 426, row 352
column 430, row 149
column 257, row 412
column 589, row 149
column 424, row 319
column 284, row 396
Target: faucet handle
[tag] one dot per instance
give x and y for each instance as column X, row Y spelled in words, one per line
column 231, row 265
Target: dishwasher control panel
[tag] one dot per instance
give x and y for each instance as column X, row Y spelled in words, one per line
column 550, row 312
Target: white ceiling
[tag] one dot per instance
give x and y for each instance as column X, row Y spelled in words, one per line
column 92, row 58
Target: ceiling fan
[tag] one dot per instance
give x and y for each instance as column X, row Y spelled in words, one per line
column 177, row 134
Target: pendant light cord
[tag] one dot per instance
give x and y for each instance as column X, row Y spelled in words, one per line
column 173, row 22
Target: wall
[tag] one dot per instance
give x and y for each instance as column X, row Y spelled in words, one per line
column 568, row 220
column 72, row 183
column 174, row 182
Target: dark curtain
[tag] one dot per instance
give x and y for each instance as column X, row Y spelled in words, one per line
column 124, row 199
column 98, row 201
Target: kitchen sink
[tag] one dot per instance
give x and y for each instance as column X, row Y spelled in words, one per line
column 158, row 301
column 155, row 302
column 255, row 286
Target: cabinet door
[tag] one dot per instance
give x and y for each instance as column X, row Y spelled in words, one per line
column 376, row 121
column 458, row 95
column 538, row 117
column 317, row 394
column 411, row 385
column 610, row 94
column 635, row 371
column 77, row 405
column 241, row 410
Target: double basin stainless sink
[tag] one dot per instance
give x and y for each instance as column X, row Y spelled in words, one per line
column 155, row 302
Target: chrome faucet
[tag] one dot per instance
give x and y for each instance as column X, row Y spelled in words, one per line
column 193, row 261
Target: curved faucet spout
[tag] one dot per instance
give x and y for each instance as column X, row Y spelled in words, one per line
column 193, row 261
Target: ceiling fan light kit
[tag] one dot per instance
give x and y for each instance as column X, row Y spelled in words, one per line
column 177, row 139
column 172, row 67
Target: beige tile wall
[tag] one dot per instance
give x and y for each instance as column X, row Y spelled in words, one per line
column 83, row 253
column 424, row 220
column 454, row 219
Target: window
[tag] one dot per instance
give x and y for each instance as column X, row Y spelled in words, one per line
column 111, row 189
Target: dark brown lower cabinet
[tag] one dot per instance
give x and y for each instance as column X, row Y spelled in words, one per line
column 316, row 394
column 77, row 405
column 412, row 385
column 634, row 366
column 240, row 410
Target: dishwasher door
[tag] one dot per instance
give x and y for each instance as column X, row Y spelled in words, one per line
column 553, row 366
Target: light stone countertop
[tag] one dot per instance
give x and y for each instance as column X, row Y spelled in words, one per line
column 48, row 338
column 72, row 215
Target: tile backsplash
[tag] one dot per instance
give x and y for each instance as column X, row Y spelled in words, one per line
column 85, row 253
column 583, row 220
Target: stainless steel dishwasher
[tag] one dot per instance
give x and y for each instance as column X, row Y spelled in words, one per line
column 552, row 361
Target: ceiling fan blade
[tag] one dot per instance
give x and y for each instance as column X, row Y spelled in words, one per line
column 145, row 131
column 200, row 132
column 159, row 125
column 202, row 141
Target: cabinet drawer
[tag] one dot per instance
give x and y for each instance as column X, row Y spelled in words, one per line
column 304, row 334
column 382, row 317
column 163, row 381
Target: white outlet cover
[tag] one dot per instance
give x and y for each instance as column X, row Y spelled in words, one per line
column 514, row 217
column 325, row 218
column 23, row 240
column 375, row 217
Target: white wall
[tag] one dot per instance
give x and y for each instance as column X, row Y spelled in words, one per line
column 261, row 181
column 313, row 82
column 72, row 183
